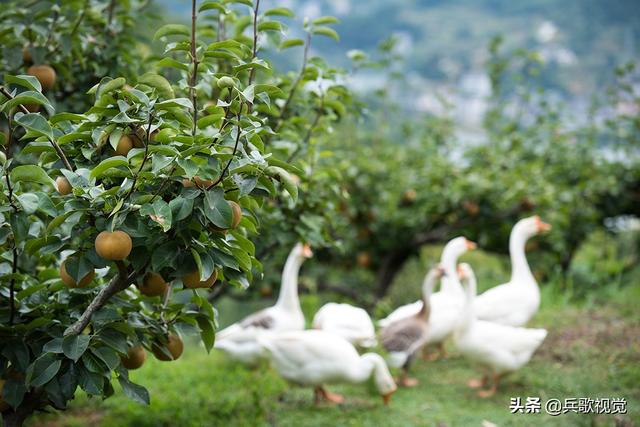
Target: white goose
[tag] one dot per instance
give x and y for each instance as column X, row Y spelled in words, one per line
column 499, row 348
column 239, row 340
column 314, row 358
column 405, row 337
column 447, row 304
column 514, row 303
column 351, row 323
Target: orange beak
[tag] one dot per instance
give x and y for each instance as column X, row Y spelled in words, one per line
column 306, row 251
column 470, row 245
column 542, row 226
column 386, row 398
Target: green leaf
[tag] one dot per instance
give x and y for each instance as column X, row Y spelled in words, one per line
column 30, row 173
column 248, row 94
column 74, row 346
column 42, row 370
column 165, row 255
column 270, row 26
column 62, row 117
column 170, row 62
column 106, row 164
column 25, row 98
column 134, row 391
column 108, row 356
column 246, row 2
column 29, row 202
column 208, row 5
column 177, row 102
column 159, row 212
column 13, row 391
column 326, row 31
column 256, row 63
column 35, row 123
column 107, row 86
column 53, row 346
column 280, row 11
column 172, row 30
column 285, row 179
column 181, row 208
column 323, row 20
column 159, row 83
column 217, row 209
column 291, row 43
column 198, row 261
column 206, row 332
column 26, row 81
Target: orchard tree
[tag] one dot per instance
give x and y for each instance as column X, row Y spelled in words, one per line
column 118, row 220
column 407, row 182
column 71, row 44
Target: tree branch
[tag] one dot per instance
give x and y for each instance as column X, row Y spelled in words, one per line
column 309, row 133
column 235, row 149
column 294, row 87
column 112, row 7
column 194, row 64
column 255, row 40
column 119, row 282
column 144, row 159
column 80, row 18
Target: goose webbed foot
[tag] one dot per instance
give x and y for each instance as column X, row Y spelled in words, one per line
column 320, row 394
column 478, row 382
column 492, row 390
column 406, row 381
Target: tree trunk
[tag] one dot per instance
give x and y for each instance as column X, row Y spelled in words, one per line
column 32, row 402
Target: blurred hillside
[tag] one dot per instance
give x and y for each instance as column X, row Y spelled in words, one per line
column 443, row 44
column 442, row 40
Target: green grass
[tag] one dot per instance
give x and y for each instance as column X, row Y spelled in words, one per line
column 592, row 351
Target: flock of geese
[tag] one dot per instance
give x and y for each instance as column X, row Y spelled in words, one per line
column 487, row 329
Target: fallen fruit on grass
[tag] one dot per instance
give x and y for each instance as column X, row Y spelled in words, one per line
column 70, row 281
column 135, row 357
column 153, row 285
column 114, row 246
column 174, row 345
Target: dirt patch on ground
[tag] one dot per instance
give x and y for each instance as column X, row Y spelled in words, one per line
column 594, row 330
column 84, row 417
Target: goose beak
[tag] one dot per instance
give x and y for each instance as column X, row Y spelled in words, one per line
column 542, row 226
column 386, row 398
column 306, row 251
column 470, row 245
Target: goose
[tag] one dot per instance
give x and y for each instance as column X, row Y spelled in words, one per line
column 313, row 358
column 239, row 340
column 446, row 305
column 405, row 337
column 516, row 302
column 351, row 323
column 499, row 348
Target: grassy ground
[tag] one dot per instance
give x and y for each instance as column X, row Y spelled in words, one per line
column 592, row 351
